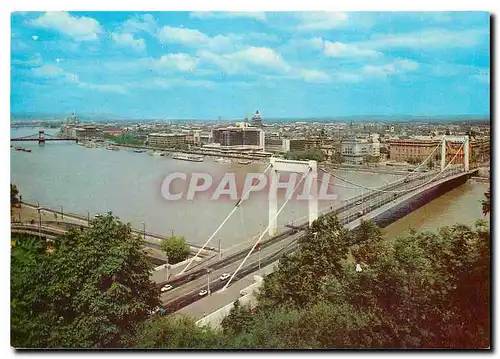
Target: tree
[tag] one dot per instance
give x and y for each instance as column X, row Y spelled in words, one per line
column 298, row 277
column 171, row 332
column 13, row 195
column 237, row 320
column 176, row 249
column 305, row 155
column 372, row 159
column 486, row 202
column 91, row 290
column 336, row 157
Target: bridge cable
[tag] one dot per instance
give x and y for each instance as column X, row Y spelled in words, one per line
column 401, row 191
column 264, row 232
column 236, row 206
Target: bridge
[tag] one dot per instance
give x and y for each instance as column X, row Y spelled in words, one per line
column 42, row 137
column 382, row 204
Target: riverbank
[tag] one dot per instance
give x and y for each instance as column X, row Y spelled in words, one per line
column 58, row 219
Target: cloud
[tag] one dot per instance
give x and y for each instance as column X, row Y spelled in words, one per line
column 397, row 67
column 431, row 38
column 50, row 71
column 197, row 39
column 482, row 75
column 33, row 61
column 261, row 16
column 183, row 36
column 176, row 82
column 142, row 22
column 313, row 76
column 339, row 49
column 260, row 56
column 54, row 72
column 244, row 61
column 180, row 62
column 103, row 87
column 312, row 21
column 79, row 28
column 128, row 40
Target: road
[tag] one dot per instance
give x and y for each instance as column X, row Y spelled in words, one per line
column 186, row 289
column 193, row 287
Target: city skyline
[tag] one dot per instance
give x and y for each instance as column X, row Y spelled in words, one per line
column 205, row 65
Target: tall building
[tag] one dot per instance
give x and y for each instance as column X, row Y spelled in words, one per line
column 167, row 140
column 354, row 150
column 257, row 119
column 239, row 135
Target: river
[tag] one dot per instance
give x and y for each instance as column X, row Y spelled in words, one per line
column 97, row 180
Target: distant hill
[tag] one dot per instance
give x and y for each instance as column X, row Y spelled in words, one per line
column 31, row 116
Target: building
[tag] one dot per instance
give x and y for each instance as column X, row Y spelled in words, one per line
column 276, row 145
column 86, row 131
column 240, row 135
column 415, row 149
column 167, row 140
column 193, row 137
column 257, row 119
column 354, row 150
column 206, row 137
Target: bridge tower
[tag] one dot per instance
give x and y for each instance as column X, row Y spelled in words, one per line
column 310, row 187
column 459, row 139
column 41, row 137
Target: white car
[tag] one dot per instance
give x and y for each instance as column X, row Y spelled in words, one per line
column 224, row 276
column 203, row 292
column 166, row 288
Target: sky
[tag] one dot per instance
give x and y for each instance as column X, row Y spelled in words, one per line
column 202, row 65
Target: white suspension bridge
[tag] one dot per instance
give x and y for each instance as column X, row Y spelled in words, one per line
column 192, row 277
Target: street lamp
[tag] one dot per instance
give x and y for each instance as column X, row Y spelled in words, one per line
column 62, row 213
column 259, row 256
column 144, row 230
column 172, row 231
column 208, row 281
column 220, row 252
column 39, row 222
column 166, row 266
column 88, row 218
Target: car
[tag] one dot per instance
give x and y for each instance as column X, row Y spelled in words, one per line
column 224, row 276
column 359, row 202
column 166, row 288
column 203, row 292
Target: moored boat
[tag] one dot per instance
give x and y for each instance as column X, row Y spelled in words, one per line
column 187, row 157
column 222, row 160
column 27, row 149
column 244, row 162
column 112, row 148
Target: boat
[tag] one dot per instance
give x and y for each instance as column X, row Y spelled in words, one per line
column 222, row 160
column 244, row 162
column 18, row 148
column 187, row 157
column 112, row 148
column 27, row 149
column 138, row 151
column 157, row 153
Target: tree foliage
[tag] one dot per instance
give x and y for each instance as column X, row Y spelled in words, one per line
column 173, row 332
column 90, row 290
column 238, row 318
column 176, row 249
column 315, row 155
column 486, row 203
column 14, row 192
